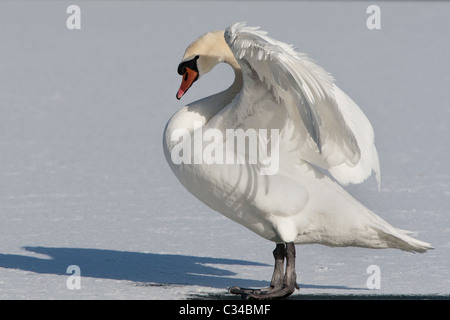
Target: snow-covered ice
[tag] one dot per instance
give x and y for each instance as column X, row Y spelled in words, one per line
column 83, row 179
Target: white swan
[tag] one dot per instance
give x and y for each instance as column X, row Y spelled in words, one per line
column 319, row 126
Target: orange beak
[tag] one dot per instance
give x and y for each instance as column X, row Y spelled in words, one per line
column 189, row 78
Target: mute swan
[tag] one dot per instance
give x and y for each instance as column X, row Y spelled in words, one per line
column 318, row 125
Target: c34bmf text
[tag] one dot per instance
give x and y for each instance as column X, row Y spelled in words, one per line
column 228, row 309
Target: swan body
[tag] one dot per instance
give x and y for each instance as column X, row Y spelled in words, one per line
column 320, row 129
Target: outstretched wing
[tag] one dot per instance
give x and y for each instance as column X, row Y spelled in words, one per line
column 332, row 132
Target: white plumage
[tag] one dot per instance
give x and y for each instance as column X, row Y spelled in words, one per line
column 335, row 133
column 320, row 127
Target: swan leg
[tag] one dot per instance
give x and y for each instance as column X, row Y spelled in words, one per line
column 277, row 278
column 282, row 284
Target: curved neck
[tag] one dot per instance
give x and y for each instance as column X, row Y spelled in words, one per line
column 213, row 49
column 203, row 110
column 235, row 87
column 208, row 107
column 238, row 79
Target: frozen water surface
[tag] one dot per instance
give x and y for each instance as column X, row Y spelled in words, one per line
column 83, row 179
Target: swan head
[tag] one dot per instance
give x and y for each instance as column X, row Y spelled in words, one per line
column 201, row 56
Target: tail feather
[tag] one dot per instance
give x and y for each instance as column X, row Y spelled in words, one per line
column 399, row 239
column 392, row 237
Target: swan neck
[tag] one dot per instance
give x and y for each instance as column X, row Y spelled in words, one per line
column 238, row 81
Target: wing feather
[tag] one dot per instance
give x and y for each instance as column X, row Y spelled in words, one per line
column 339, row 137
